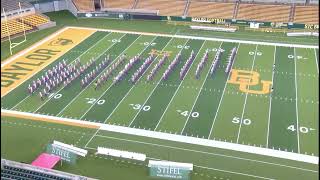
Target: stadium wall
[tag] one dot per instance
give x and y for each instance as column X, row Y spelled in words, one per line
column 113, row 15
column 50, row 6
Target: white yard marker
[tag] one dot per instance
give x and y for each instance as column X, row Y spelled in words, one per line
column 203, row 38
column 151, row 92
column 20, row 102
column 124, row 97
column 92, row 80
column 214, row 120
column 297, row 113
column 245, row 100
column 112, row 83
column 49, row 98
column 271, row 94
column 190, row 112
column 136, row 82
column 315, row 54
column 86, row 146
column 311, row 159
column 179, row 87
column 69, row 63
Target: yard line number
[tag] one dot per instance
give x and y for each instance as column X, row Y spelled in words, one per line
column 290, row 56
column 216, row 49
column 148, row 44
column 186, row 113
column 252, row 53
column 182, row 47
column 302, row 129
column 55, row 96
column 139, row 106
column 93, row 101
column 115, row 40
column 237, row 120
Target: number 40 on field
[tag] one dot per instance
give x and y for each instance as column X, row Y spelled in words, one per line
column 302, row 129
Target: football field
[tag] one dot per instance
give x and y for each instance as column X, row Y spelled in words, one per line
column 269, row 99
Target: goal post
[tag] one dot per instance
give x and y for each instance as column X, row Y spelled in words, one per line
column 11, row 43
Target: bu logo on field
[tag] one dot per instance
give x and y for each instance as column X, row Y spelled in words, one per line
column 60, row 42
column 245, row 79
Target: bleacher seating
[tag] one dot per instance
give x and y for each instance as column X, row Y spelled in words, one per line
column 125, row 4
column 15, row 27
column 17, row 173
column 268, row 13
column 306, row 15
column 11, row 5
column 211, row 9
column 84, row 5
column 35, row 19
column 165, row 7
column 20, row 171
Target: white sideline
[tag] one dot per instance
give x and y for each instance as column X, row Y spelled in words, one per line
column 23, row 52
column 202, row 38
column 184, row 139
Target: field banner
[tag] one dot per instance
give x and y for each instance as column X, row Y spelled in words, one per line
column 65, row 155
column 170, row 170
column 18, row 70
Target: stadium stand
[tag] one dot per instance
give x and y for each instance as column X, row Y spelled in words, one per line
column 211, row 9
column 166, row 7
column 26, row 23
column 14, row 170
column 306, row 15
column 15, row 27
column 14, row 5
column 84, row 5
column 15, row 20
column 259, row 12
column 36, row 19
column 125, row 4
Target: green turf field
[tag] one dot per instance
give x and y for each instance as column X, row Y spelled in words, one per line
column 214, row 109
column 211, row 107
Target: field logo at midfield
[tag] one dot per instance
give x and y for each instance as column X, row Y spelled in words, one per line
column 23, row 67
column 245, row 79
column 159, row 52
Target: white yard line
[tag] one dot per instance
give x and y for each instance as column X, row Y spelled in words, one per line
column 245, row 100
column 49, row 98
column 174, row 137
column 224, row 89
column 271, row 93
column 151, row 93
column 203, row 38
column 233, row 172
column 205, row 167
column 315, row 54
column 14, row 57
column 135, row 83
column 112, row 83
column 20, row 102
column 185, row 124
column 205, row 152
column 23, row 52
column 178, row 87
column 297, row 109
column 92, row 80
column 123, row 98
column 69, row 63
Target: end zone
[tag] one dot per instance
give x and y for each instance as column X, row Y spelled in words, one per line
column 20, row 68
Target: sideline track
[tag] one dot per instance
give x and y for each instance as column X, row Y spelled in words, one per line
column 165, row 136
